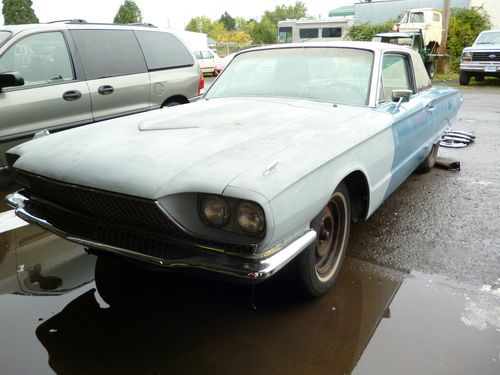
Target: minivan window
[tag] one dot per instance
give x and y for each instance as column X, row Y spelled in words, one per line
column 4, row 35
column 109, row 53
column 163, row 50
column 40, row 59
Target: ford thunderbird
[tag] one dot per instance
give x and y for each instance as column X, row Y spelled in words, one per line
column 289, row 145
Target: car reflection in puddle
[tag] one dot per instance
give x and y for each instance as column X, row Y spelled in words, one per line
column 174, row 323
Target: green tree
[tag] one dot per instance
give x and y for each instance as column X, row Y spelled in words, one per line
column 17, row 12
column 228, row 21
column 128, row 12
column 366, row 31
column 266, row 30
column 464, row 27
column 200, row 24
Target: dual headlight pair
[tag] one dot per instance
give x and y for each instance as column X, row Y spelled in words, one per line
column 232, row 214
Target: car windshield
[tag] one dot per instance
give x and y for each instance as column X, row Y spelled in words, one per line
column 488, row 38
column 4, row 35
column 338, row 75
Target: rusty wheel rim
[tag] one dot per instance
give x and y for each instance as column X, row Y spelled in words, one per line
column 331, row 237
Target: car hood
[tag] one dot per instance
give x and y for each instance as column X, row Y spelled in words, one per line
column 483, row 47
column 200, row 147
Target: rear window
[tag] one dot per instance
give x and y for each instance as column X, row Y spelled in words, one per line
column 4, row 35
column 163, row 50
column 109, row 53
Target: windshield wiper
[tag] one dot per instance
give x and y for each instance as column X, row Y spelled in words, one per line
column 485, row 43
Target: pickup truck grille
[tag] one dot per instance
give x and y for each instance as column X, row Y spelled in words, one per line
column 129, row 222
column 486, row 56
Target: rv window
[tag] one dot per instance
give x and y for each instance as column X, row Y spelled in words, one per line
column 331, row 32
column 308, row 33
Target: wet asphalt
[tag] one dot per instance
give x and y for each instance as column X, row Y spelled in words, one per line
column 419, row 292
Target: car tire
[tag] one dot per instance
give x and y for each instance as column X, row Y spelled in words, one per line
column 172, row 104
column 431, row 69
column 318, row 266
column 464, row 78
column 428, row 163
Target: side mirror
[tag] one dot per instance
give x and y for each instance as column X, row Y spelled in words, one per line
column 9, row 79
column 401, row 96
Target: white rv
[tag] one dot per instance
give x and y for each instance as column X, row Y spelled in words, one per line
column 330, row 29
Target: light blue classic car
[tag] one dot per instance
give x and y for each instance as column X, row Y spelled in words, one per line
column 290, row 145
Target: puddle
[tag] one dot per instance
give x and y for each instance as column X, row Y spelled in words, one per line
column 375, row 320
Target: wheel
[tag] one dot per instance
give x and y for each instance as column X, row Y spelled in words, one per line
column 319, row 265
column 431, row 69
column 428, row 163
column 464, row 78
column 172, row 104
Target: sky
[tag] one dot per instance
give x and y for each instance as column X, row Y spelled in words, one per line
column 175, row 14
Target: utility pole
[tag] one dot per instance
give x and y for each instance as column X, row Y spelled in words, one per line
column 444, row 35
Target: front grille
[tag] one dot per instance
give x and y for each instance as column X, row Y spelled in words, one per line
column 485, row 56
column 124, row 221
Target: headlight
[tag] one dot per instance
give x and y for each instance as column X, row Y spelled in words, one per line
column 467, row 56
column 215, row 210
column 250, row 217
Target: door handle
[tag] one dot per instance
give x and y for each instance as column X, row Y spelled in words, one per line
column 105, row 90
column 430, row 108
column 72, row 95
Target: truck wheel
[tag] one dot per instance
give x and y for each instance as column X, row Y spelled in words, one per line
column 431, row 69
column 464, row 78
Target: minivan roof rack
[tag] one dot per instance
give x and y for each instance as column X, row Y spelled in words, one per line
column 82, row 21
column 75, row 20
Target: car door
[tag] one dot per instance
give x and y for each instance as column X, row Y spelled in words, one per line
column 52, row 97
column 116, row 71
column 411, row 120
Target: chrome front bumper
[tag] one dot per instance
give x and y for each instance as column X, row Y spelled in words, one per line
column 477, row 67
column 230, row 265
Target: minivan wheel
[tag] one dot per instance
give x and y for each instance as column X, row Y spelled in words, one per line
column 319, row 265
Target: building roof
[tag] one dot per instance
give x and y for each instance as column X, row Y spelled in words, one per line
column 344, row 11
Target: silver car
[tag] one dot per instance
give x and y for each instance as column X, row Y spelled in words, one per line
column 58, row 76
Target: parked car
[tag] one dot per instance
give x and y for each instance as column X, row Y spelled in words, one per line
column 58, row 76
column 207, row 59
column 288, row 146
column 222, row 64
column 482, row 59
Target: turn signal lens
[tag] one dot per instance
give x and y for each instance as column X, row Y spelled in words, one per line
column 214, row 210
column 467, row 56
column 250, row 217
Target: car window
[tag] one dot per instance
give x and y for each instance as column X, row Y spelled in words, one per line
column 4, row 35
column 395, row 75
column 285, row 34
column 339, row 75
column 40, row 58
column 207, row 55
column 109, row 53
column 163, row 50
column 422, row 80
column 197, row 54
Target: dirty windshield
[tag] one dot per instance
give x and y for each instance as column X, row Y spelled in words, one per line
column 489, row 38
column 338, row 75
column 4, row 35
